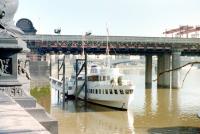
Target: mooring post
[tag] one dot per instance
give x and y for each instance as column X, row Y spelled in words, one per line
column 58, row 96
column 76, row 80
column 58, row 62
column 148, row 71
column 85, row 77
column 63, row 81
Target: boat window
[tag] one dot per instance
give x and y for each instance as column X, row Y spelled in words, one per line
column 131, row 91
column 99, row 91
column 96, row 91
column 121, row 91
column 108, row 77
column 80, row 78
column 93, row 78
column 103, row 91
column 127, row 91
column 115, row 91
column 106, row 90
column 93, row 70
column 119, row 80
column 111, row 92
column 104, row 78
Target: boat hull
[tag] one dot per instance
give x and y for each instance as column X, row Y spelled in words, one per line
column 117, row 100
column 112, row 104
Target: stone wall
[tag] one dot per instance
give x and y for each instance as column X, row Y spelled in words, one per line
column 39, row 72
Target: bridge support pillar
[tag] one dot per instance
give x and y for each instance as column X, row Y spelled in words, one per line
column 163, row 65
column 166, row 76
column 148, row 71
column 159, row 70
column 176, row 59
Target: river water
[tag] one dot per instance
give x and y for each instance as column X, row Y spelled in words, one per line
column 154, row 111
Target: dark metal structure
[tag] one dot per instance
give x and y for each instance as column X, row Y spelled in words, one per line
column 78, row 71
column 129, row 45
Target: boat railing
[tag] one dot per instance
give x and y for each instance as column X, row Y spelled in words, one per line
column 110, row 91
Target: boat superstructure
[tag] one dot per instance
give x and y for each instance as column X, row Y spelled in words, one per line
column 106, row 86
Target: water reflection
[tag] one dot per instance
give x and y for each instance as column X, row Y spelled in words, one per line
column 175, row 130
column 92, row 119
column 152, row 111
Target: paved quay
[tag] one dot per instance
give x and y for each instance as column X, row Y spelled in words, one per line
column 15, row 120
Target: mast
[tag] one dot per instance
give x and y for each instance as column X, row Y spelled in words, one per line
column 107, row 39
column 107, row 48
column 83, row 44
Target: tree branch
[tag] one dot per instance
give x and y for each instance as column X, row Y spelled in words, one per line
column 186, row 75
column 174, row 69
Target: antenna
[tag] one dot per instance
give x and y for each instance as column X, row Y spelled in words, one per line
column 84, row 39
column 107, row 49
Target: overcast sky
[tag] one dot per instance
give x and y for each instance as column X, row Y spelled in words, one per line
column 123, row 17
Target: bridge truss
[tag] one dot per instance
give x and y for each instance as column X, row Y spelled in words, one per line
column 129, row 45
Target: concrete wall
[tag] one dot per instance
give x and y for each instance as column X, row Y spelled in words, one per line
column 39, row 71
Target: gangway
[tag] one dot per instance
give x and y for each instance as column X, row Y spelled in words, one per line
column 60, row 85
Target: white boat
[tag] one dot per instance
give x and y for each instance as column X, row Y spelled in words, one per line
column 105, row 86
column 71, row 84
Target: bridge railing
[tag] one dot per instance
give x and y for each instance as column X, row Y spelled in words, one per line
column 130, row 39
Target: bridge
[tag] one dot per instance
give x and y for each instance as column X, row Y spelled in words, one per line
column 163, row 47
column 131, row 45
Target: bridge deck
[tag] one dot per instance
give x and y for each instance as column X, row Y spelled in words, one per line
column 117, row 44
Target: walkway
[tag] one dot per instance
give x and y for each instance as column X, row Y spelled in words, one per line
column 15, row 120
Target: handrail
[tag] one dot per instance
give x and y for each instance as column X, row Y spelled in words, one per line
column 129, row 39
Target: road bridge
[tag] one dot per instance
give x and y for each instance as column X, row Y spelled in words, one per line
column 131, row 45
column 166, row 48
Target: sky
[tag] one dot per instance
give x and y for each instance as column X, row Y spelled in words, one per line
column 122, row 17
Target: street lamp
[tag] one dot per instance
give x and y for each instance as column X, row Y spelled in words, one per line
column 88, row 33
column 57, row 31
column 2, row 14
column 84, row 39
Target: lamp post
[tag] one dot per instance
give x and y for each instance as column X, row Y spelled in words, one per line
column 58, row 32
column 2, row 14
column 83, row 41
